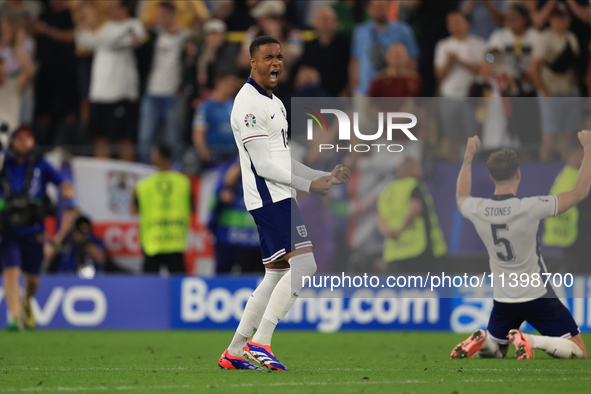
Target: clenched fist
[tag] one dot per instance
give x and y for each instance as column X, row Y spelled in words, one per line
column 585, row 138
column 472, row 146
column 340, row 175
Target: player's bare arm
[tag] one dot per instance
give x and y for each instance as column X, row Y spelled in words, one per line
column 567, row 200
column 464, row 184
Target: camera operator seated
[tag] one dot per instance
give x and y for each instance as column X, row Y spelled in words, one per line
column 75, row 248
column 23, row 207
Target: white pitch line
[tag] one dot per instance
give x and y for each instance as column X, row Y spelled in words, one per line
column 279, row 384
column 317, row 369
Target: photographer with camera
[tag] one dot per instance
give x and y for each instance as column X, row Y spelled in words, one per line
column 23, row 207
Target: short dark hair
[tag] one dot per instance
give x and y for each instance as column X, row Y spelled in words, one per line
column 129, row 5
column 459, row 12
column 168, row 5
column 523, row 11
column 164, row 151
column 262, row 40
column 83, row 224
column 503, row 165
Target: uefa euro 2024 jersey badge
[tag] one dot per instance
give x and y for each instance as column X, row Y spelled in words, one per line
column 250, row 120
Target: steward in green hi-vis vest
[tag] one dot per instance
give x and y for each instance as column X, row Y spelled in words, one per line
column 563, row 230
column 393, row 206
column 164, row 201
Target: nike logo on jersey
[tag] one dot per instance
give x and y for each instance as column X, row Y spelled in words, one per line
column 272, row 116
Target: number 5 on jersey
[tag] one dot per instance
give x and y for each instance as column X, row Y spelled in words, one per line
column 508, row 255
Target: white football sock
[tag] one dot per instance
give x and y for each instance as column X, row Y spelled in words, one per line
column 284, row 296
column 490, row 349
column 254, row 310
column 555, row 346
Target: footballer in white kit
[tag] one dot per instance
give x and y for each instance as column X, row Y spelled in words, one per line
column 508, row 227
column 270, row 178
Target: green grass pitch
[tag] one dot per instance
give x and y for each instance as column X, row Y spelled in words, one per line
column 347, row 362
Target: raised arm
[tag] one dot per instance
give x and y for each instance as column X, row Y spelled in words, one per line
column 582, row 12
column 27, row 68
column 567, row 200
column 497, row 14
column 540, row 17
column 260, row 154
column 111, row 38
column 464, row 185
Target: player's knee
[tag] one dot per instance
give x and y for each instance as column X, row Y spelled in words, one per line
column 304, row 264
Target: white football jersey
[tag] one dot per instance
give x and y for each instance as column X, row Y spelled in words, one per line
column 256, row 114
column 508, row 227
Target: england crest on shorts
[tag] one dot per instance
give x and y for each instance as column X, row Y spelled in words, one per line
column 302, row 231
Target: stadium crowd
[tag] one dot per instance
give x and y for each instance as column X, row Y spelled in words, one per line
column 114, row 78
column 113, row 74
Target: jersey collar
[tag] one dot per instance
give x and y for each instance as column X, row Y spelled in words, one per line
column 258, row 87
column 501, row 197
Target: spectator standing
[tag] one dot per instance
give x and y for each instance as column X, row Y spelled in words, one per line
column 12, row 87
column 407, row 220
column 553, row 71
column 159, row 104
column 329, row 53
column 427, row 19
column 571, row 230
column 25, row 176
column 514, row 45
column 84, row 56
column 349, row 13
column 11, row 26
column 214, row 51
column 270, row 21
column 370, row 42
column 398, row 79
column 56, row 93
column 27, row 10
column 240, row 18
column 190, row 13
column 164, row 204
column 114, row 86
column 580, row 17
column 235, row 232
column 484, row 16
column 220, row 9
column 212, row 131
column 457, row 61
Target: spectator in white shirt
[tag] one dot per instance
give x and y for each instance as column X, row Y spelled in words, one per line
column 553, row 69
column 13, row 87
column 513, row 46
column 457, row 61
column 159, row 104
column 114, row 86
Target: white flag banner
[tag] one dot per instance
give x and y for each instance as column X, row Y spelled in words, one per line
column 103, row 192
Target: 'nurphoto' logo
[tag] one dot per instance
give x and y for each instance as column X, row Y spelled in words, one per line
column 345, row 130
